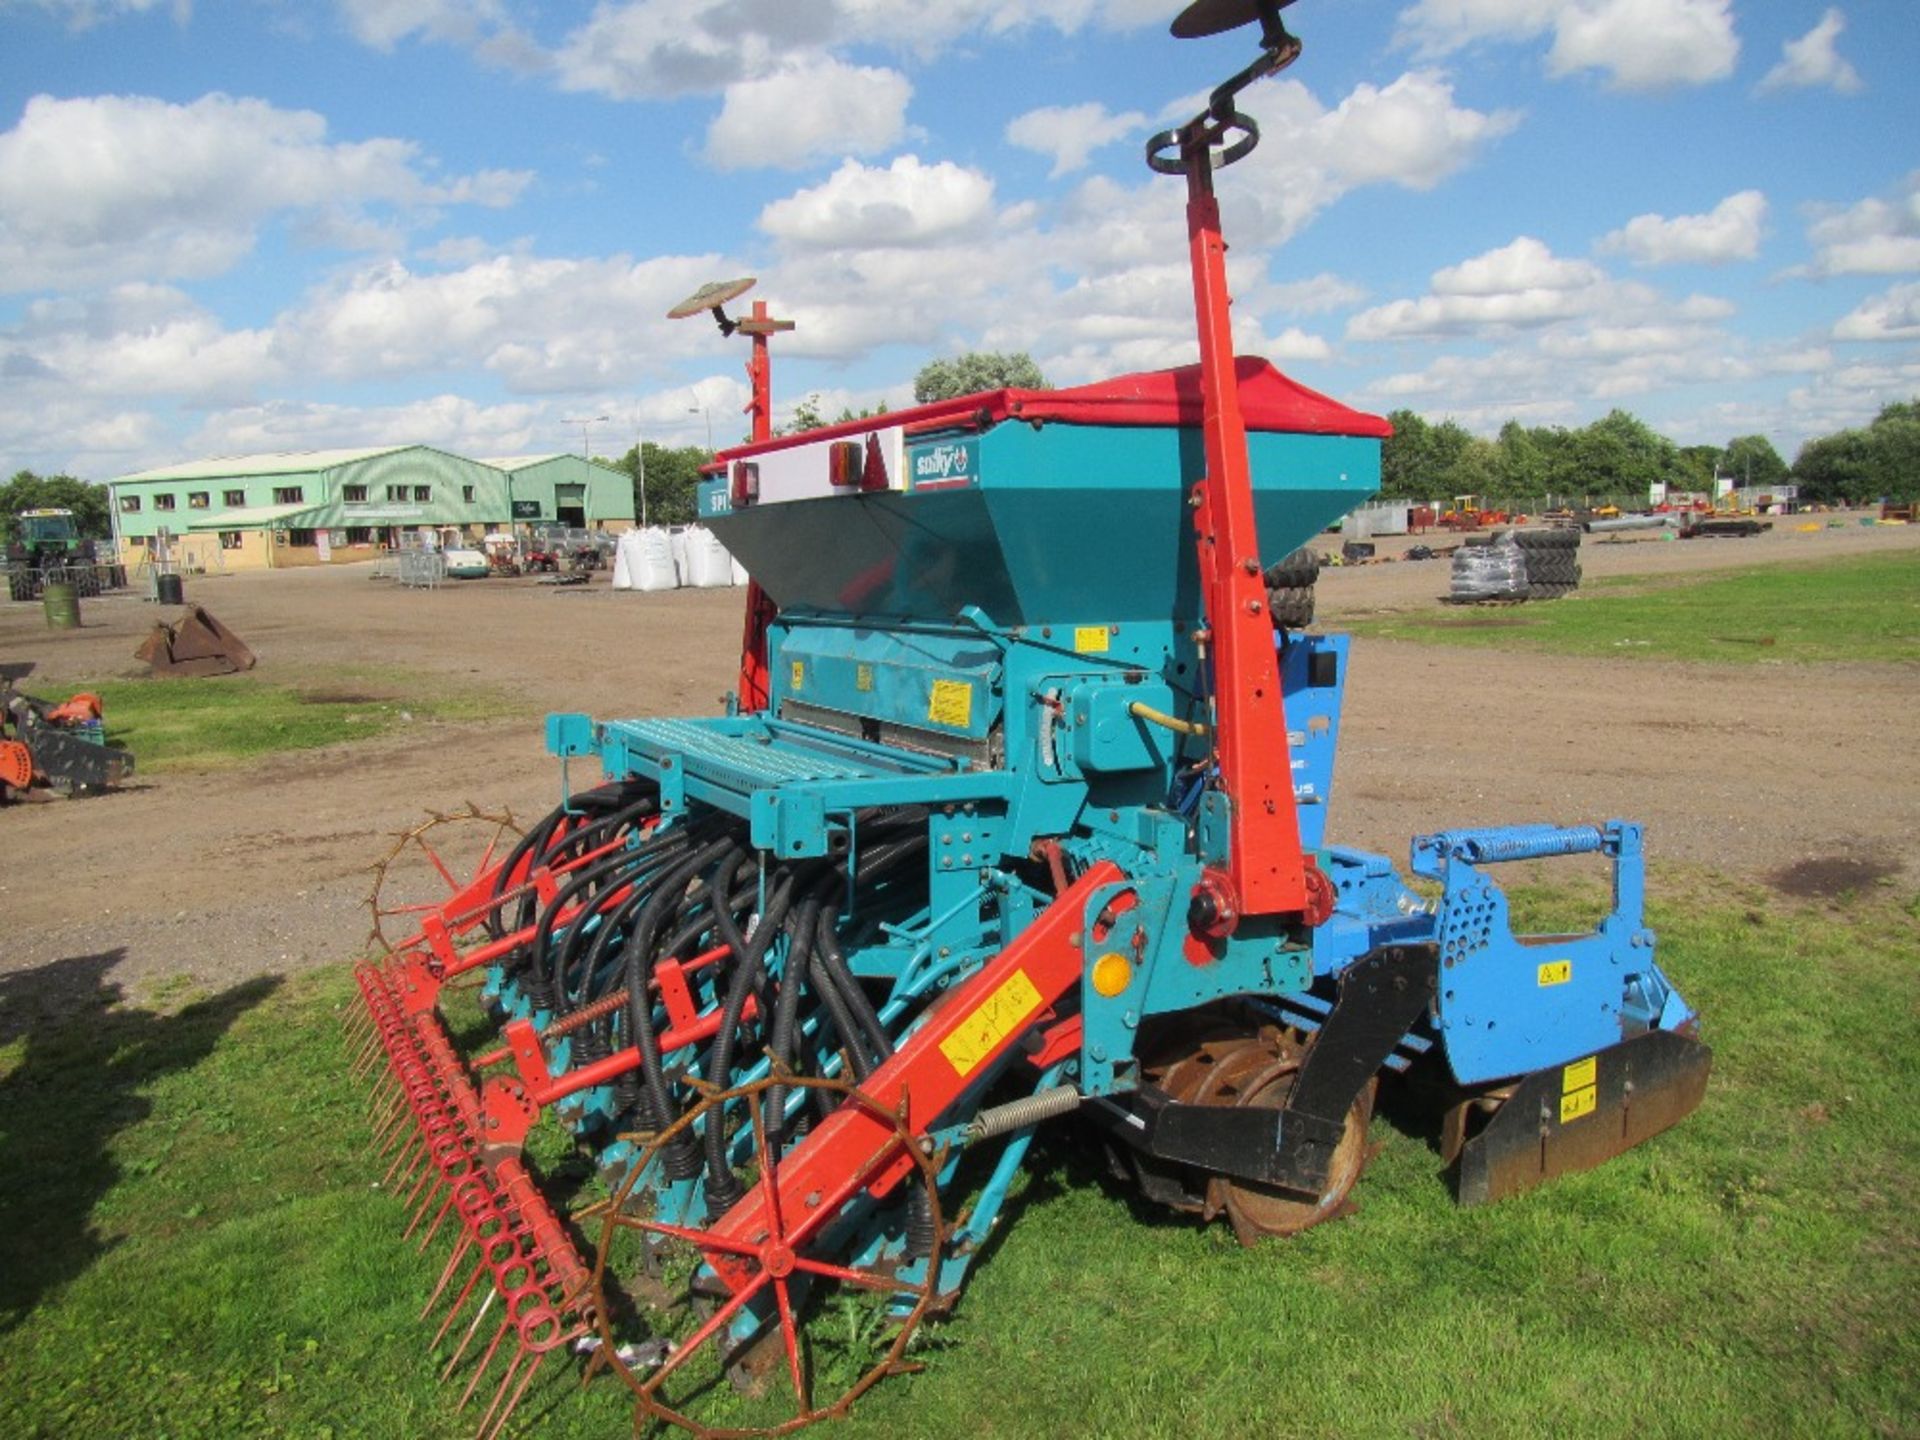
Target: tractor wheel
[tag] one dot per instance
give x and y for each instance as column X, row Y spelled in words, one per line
column 1302, row 567
column 428, row 865
column 770, row 1286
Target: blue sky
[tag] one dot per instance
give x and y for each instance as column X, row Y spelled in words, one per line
column 230, row 227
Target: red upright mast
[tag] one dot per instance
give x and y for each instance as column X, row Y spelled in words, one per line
column 1265, row 872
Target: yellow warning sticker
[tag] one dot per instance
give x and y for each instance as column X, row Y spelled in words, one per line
column 987, row 1028
column 1579, row 1103
column 951, row 703
column 1090, row 639
column 1556, row 972
column 863, row 678
column 799, row 674
column 1579, row 1075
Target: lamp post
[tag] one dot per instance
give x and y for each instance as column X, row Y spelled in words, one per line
column 640, row 462
column 702, row 411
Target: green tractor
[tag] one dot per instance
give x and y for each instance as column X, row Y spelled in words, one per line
column 48, row 545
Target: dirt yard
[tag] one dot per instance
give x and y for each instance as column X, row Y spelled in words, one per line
column 200, row 879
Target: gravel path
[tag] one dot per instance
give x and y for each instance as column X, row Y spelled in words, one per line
column 203, row 879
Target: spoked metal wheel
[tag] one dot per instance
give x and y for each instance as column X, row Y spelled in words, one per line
column 786, row 1275
column 430, row 864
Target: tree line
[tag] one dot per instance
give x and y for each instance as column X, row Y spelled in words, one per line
column 1620, row 457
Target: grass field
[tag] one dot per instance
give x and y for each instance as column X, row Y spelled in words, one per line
column 191, row 1243
column 213, row 721
column 1864, row 608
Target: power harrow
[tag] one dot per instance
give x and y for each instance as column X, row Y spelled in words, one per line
column 1019, row 814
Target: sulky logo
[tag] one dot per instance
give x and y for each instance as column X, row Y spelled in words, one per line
column 945, row 464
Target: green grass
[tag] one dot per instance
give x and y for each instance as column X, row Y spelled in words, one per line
column 191, row 1243
column 214, row 721
column 1860, row 609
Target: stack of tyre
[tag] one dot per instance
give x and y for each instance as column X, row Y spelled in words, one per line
column 1553, row 561
column 1290, row 589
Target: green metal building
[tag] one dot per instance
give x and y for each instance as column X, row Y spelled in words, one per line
column 567, row 490
column 320, row 506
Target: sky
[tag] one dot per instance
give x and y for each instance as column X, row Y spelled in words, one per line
column 233, row 226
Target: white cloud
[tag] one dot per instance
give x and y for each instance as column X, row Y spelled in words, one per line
column 906, row 203
column 1729, row 231
column 1874, row 237
column 84, row 14
column 540, row 325
column 94, row 190
column 806, row 110
column 1814, row 62
column 1637, row 44
column 1522, row 285
column 450, row 422
column 1069, row 134
column 1892, row 315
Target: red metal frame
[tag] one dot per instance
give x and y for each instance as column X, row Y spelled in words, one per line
column 1266, row 870
column 755, row 689
column 960, row 1043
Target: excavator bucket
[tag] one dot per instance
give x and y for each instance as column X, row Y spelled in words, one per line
column 196, row 645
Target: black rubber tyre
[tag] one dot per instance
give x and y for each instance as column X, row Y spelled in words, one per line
column 1291, row 606
column 1301, row 568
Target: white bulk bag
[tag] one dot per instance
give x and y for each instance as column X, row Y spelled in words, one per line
column 708, row 564
column 626, row 559
column 653, row 568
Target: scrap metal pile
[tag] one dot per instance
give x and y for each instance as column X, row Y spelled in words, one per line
column 1019, row 818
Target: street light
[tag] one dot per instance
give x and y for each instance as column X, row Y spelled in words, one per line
column 702, row 411
column 584, row 422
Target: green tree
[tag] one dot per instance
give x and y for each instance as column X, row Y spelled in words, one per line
column 1403, row 457
column 1834, row 468
column 1619, row 456
column 1753, row 461
column 673, row 478
column 1698, row 464
column 976, row 371
column 1893, row 459
column 28, row 491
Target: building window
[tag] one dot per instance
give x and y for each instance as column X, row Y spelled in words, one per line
column 359, row 535
column 163, row 502
column 466, row 493
column 229, row 539
column 300, row 537
column 423, row 493
column 396, row 492
column 354, row 494
column 233, row 498
column 288, row 495
column 129, row 504
column 136, row 539
column 197, row 499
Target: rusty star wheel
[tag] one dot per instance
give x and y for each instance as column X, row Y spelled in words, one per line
column 787, row 1277
column 430, row 864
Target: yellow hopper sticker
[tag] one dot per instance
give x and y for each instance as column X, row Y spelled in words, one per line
column 1090, row 639
column 863, row 678
column 998, row 1016
column 951, row 703
column 1556, row 972
column 799, row 676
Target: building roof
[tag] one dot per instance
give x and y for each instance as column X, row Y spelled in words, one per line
column 281, row 462
column 249, row 518
column 511, row 463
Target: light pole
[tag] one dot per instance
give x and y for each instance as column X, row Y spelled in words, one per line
column 640, row 461
column 584, row 422
column 702, row 411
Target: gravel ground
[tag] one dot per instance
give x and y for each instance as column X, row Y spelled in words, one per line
column 201, row 879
